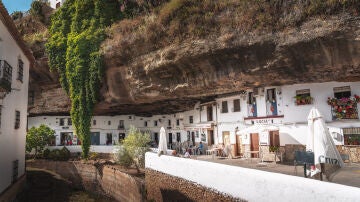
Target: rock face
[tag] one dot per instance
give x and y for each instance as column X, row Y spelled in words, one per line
column 173, row 78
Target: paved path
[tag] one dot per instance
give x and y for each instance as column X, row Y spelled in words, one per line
column 349, row 175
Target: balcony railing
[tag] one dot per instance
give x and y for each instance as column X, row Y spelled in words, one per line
column 5, row 76
column 271, row 108
column 252, row 110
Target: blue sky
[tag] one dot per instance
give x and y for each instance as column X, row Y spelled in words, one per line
column 17, row 5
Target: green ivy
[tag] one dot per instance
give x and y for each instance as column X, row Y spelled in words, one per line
column 77, row 31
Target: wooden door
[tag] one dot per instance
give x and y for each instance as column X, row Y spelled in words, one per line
column 210, row 134
column 170, row 138
column 238, row 145
column 254, row 143
column 274, row 138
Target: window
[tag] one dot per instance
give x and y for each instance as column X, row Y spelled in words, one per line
column 351, row 136
column 62, row 122
column 342, row 92
column 271, row 95
column 145, row 123
column 155, row 123
column 209, row 112
column 20, row 70
column 169, row 122
column 94, row 122
column 109, row 123
column 121, row 124
column 224, row 107
column 236, row 105
column 178, row 137
column 31, row 98
column 178, row 122
column 17, row 119
column 251, row 98
column 69, row 122
column 303, row 97
column 191, row 119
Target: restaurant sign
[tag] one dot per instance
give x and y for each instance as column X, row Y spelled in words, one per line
column 263, row 121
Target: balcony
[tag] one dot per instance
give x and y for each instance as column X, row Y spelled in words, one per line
column 121, row 127
column 271, row 108
column 252, row 110
column 5, row 76
column 344, row 108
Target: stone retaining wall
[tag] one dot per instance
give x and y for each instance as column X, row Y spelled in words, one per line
column 352, row 151
column 105, row 179
column 163, row 187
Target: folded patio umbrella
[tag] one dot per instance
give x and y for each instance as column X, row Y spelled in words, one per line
column 320, row 142
column 162, row 142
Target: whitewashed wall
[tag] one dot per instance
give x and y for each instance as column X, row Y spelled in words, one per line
column 250, row 184
column 12, row 141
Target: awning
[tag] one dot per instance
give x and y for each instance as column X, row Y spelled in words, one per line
column 198, row 126
column 257, row 128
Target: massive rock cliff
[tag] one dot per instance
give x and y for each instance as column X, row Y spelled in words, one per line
column 156, row 77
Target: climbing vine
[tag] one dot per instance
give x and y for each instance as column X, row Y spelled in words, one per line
column 77, row 30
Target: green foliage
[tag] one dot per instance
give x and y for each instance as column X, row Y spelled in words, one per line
column 36, row 9
column 77, row 30
column 124, row 158
column 59, row 154
column 38, row 138
column 93, row 155
column 136, row 144
column 17, row 15
column 46, row 153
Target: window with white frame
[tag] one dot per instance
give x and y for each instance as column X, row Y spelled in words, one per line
column 224, row 107
column 20, row 70
column 236, row 103
column 155, row 123
column 62, row 122
column 17, row 119
column 191, row 119
column 342, row 92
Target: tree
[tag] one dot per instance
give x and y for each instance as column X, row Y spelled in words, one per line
column 136, row 144
column 38, row 138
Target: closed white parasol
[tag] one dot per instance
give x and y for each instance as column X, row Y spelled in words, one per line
column 320, row 141
column 162, row 142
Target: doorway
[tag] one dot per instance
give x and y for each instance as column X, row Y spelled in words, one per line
column 95, row 138
column 66, row 138
column 108, row 138
column 274, row 138
column 254, row 144
column 209, row 112
column 170, row 138
column 210, row 134
column 238, row 145
column 156, row 138
column 226, row 137
column 193, row 138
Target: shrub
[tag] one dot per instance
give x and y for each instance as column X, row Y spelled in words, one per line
column 124, row 158
column 54, row 154
column 38, row 138
column 46, row 153
column 17, row 15
column 64, row 154
column 93, row 155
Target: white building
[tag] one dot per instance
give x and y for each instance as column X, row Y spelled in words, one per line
column 56, row 3
column 251, row 121
column 15, row 61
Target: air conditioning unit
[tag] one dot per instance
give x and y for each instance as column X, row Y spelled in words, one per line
column 259, row 91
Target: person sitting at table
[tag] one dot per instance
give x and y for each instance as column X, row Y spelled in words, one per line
column 200, row 148
column 187, row 154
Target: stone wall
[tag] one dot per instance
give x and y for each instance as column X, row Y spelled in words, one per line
column 163, row 187
column 352, row 151
column 290, row 151
column 100, row 178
